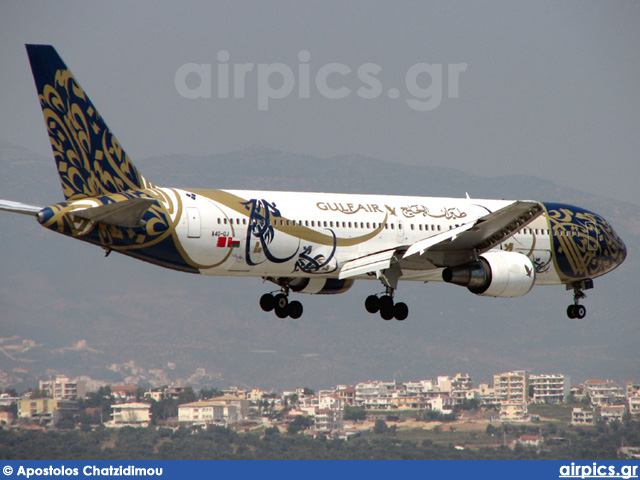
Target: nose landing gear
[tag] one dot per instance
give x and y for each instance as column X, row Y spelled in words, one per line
column 576, row 310
column 385, row 305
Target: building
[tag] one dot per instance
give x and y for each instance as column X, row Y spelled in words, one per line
column 612, row 413
column 632, row 389
column 7, row 400
column 130, row 414
column 582, row 417
column 328, row 420
column 46, row 411
column 634, row 405
column 347, row 395
column 511, row 386
column 513, row 411
column 530, row 440
column 547, row 388
column 602, row 392
column 209, row 412
column 161, row 393
column 124, row 393
column 375, row 395
column 62, row 388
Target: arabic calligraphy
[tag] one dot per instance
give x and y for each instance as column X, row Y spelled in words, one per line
column 261, row 227
column 451, row 213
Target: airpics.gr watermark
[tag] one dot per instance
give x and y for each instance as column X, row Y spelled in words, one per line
column 423, row 88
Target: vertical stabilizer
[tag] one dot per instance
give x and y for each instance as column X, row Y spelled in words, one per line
column 90, row 160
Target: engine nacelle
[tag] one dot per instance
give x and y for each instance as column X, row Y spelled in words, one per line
column 320, row 286
column 495, row 274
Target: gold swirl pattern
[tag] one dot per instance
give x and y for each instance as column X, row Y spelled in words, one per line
column 90, row 160
column 585, row 244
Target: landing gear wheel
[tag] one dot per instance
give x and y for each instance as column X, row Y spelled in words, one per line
column 280, row 301
column 400, row 311
column 372, row 304
column 295, row 309
column 282, row 312
column 386, row 307
column 576, row 311
column 267, row 302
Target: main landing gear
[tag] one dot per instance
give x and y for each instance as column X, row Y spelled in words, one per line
column 281, row 304
column 576, row 310
column 385, row 305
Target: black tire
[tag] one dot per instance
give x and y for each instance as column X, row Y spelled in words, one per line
column 295, row 309
column 282, row 312
column 580, row 311
column 386, row 307
column 571, row 311
column 400, row 311
column 267, row 302
column 281, row 301
column 372, row 304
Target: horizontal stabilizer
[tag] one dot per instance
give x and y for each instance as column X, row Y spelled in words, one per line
column 363, row 265
column 125, row 213
column 17, row 207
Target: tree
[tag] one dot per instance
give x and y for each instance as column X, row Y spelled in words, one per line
column 380, row 427
column 298, row 424
column 354, row 413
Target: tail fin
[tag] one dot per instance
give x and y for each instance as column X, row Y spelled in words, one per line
column 90, row 160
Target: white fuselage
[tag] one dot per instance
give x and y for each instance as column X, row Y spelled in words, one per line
column 214, row 234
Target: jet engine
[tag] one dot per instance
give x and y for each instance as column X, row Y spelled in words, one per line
column 494, row 274
column 320, row 286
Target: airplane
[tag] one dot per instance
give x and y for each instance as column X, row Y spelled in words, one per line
column 306, row 242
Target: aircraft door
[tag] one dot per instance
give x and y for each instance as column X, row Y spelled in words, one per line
column 400, row 231
column 193, row 222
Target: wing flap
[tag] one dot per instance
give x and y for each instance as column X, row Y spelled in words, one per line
column 367, row 264
column 17, row 207
column 125, row 213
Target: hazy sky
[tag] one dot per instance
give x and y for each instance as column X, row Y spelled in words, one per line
column 543, row 88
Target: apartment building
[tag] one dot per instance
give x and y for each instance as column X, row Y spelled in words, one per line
column 46, row 411
column 511, row 386
column 129, row 414
column 582, row 417
column 328, row 420
column 62, row 388
column 612, row 413
column 602, row 392
column 514, row 411
column 225, row 411
column 547, row 388
column 634, row 404
column 375, row 395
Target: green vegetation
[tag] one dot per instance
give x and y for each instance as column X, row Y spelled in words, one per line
column 561, row 442
column 561, row 413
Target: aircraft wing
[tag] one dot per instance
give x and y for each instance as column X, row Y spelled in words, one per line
column 17, row 207
column 124, row 213
column 463, row 243
column 370, row 263
column 452, row 247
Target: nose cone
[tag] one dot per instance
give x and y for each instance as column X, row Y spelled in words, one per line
column 585, row 244
column 612, row 248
